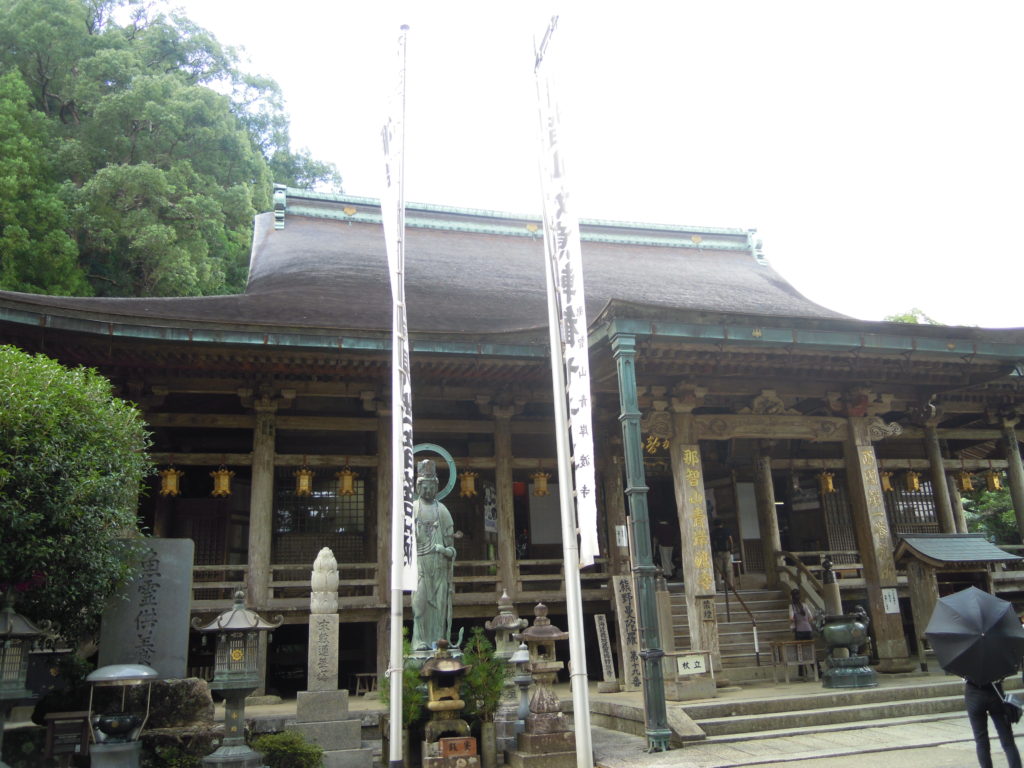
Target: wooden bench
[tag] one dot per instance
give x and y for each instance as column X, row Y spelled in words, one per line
column 793, row 653
column 365, row 682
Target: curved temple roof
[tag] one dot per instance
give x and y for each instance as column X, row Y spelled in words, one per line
column 476, row 273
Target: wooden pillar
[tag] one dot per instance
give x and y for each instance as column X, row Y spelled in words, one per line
column 383, row 508
column 874, row 540
column 695, row 537
column 1014, row 471
column 507, row 565
column 655, row 714
column 957, row 505
column 261, row 504
column 940, row 489
column 767, row 515
column 261, row 521
column 615, row 512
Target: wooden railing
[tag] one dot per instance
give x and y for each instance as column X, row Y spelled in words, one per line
column 476, row 583
column 213, row 586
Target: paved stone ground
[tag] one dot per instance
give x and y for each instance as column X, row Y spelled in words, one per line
column 943, row 743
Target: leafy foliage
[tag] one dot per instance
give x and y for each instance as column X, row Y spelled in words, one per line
column 134, row 154
column 72, row 460
column 913, row 316
column 288, row 750
column 991, row 513
column 483, row 683
column 414, row 690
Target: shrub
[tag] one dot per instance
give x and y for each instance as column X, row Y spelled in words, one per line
column 483, row 683
column 288, row 750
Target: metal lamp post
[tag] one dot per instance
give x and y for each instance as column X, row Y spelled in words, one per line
column 236, row 675
column 18, row 635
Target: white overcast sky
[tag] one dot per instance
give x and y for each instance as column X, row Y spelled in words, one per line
column 875, row 146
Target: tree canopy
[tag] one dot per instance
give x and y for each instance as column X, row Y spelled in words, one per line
column 72, row 461
column 914, row 316
column 133, row 154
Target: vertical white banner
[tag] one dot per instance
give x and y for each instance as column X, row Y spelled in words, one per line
column 392, row 208
column 565, row 262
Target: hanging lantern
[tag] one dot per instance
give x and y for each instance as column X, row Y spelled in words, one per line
column 303, row 481
column 993, row 482
column 221, row 481
column 887, row 481
column 346, row 482
column 467, row 484
column 826, row 483
column 912, row 481
column 169, row 485
column 964, row 482
column 540, row 483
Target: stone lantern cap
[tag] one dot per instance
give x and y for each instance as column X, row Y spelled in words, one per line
column 542, row 631
column 442, row 663
column 238, row 618
column 13, row 624
column 506, row 618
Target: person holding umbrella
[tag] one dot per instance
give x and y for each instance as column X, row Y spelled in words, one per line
column 979, row 637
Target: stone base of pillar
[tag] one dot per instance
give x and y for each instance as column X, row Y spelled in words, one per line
column 896, row 666
column 689, row 688
column 322, row 717
column 546, row 750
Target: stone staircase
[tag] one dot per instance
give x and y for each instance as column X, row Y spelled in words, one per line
column 821, row 710
column 769, row 608
column 774, row 713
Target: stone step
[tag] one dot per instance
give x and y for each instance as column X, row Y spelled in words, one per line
column 827, row 698
column 835, row 727
column 829, row 716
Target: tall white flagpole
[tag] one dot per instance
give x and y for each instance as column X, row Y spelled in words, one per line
column 403, row 550
column 569, row 359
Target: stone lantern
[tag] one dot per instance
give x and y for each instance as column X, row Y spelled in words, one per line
column 506, row 626
column 18, row 636
column 522, row 678
column 446, row 739
column 236, row 675
column 546, row 731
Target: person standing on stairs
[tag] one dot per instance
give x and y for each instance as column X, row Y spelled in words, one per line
column 801, row 618
column 721, row 551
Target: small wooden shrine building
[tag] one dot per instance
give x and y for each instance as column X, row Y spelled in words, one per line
column 807, row 431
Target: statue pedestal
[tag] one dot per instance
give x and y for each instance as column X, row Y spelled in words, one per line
column 852, row 672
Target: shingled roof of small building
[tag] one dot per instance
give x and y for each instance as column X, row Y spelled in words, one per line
column 946, row 549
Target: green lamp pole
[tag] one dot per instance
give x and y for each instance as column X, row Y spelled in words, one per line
column 658, row 732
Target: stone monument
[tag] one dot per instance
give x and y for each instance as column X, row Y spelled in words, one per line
column 321, row 712
column 147, row 622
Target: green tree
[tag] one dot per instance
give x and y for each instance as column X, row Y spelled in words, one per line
column 991, row 513
column 36, row 253
column 914, row 316
column 72, row 461
column 163, row 147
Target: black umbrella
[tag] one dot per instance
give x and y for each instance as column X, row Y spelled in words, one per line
column 976, row 635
